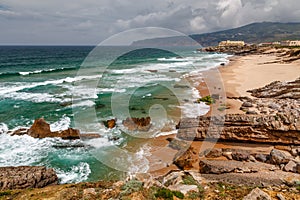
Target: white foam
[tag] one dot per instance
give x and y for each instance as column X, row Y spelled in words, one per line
column 61, row 124
column 99, row 142
column 3, row 128
column 77, row 173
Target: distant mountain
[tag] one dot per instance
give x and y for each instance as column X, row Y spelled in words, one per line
column 252, row 33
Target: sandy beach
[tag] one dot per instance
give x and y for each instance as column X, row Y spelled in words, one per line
column 241, row 74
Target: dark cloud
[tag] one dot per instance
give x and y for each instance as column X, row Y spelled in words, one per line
column 91, row 21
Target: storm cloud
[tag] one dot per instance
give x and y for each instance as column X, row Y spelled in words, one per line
column 91, row 21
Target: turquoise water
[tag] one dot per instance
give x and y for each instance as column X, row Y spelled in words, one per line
column 72, row 87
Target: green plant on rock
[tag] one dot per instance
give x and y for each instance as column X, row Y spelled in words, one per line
column 5, row 193
column 208, row 100
column 131, row 187
column 189, row 180
column 168, row 194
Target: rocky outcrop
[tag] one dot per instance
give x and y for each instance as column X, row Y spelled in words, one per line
column 279, row 90
column 26, row 177
column 237, row 50
column 137, row 124
column 221, row 167
column 283, row 128
column 41, row 129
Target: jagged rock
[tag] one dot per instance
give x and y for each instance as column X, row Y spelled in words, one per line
column 221, row 167
column 110, row 123
column 279, row 90
column 247, row 105
column 239, row 127
column 257, row 194
column 186, row 159
column 41, row 129
column 278, row 157
column 137, row 124
column 26, row 177
column 290, row 167
column 240, row 155
column 262, row 157
column 214, row 153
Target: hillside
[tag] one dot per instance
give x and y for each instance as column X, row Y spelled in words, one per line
column 252, row 33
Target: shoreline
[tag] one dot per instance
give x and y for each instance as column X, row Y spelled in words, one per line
column 237, row 81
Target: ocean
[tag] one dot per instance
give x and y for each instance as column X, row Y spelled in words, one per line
column 81, row 87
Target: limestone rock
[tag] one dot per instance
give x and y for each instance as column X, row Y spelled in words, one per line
column 290, row 167
column 279, row 90
column 257, row 194
column 279, row 157
column 26, row 177
column 186, row 159
column 221, row 167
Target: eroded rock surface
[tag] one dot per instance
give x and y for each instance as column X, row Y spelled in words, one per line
column 26, row 177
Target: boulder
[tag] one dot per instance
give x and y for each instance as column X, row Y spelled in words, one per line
column 247, row 105
column 262, row 157
column 214, row 153
column 279, row 157
column 110, row 123
column 298, row 168
column 257, row 194
column 240, row 155
column 26, row 177
column 290, row 167
column 137, row 124
column 186, row 159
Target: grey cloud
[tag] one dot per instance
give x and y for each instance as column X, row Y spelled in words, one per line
column 91, row 21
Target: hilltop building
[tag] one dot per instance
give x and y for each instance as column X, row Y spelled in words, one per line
column 231, row 43
column 290, row 43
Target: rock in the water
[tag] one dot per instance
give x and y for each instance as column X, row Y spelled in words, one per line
column 41, row 129
column 137, row 124
column 257, row 194
column 26, row 177
column 110, row 123
column 186, row 159
column 278, row 157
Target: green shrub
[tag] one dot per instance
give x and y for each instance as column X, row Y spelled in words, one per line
column 208, row 100
column 168, row 194
column 4, row 193
column 189, row 180
column 131, row 187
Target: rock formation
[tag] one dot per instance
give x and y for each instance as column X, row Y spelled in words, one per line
column 110, row 123
column 282, row 129
column 279, row 90
column 41, row 129
column 26, row 177
column 137, row 124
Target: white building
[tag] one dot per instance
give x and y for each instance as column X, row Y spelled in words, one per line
column 290, row 43
column 231, row 43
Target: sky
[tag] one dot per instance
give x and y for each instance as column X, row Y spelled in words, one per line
column 88, row 22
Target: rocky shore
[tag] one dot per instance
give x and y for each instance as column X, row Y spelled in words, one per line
column 251, row 151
